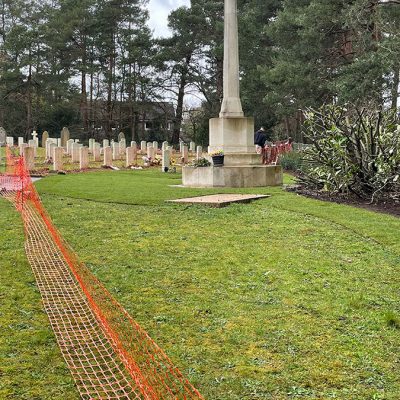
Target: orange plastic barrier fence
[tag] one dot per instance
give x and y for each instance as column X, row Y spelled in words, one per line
column 149, row 372
column 271, row 153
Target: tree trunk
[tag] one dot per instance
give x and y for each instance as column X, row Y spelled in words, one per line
column 181, row 95
column 29, row 124
column 83, row 106
column 179, row 110
column 91, row 100
column 110, row 88
column 83, row 103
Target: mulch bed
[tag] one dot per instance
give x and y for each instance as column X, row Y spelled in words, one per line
column 387, row 207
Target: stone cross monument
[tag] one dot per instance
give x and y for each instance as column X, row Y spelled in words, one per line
column 231, row 104
column 232, row 132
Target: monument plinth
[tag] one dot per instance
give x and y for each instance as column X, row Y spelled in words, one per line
column 232, row 132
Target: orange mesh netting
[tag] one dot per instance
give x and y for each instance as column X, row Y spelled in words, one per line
column 110, row 356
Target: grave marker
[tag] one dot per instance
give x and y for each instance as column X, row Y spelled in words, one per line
column 29, row 157
column 96, row 152
column 107, row 153
column 83, row 157
column 131, row 153
column 115, row 151
column 10, row 141
column 45, row 136
column 75, row 152
column 199, row 152
column 185, row 154
column 70, row 142
column 65, row 136
column 166, row 160
column 58, row 153
column 3, row 136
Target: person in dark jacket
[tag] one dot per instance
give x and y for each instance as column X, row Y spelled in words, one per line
column 260, row 137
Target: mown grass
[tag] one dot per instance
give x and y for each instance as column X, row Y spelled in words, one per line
column 284, row 298
column 31, row 366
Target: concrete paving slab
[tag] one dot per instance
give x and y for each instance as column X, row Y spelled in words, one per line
column 220, row 200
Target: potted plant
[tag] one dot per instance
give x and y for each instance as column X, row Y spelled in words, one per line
column 217, row 158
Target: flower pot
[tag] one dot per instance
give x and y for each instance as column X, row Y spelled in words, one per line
column 218, row 161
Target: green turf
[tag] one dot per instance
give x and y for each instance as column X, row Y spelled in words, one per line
column 284, row 298
column 31, row 366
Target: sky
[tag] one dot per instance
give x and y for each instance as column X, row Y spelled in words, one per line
column 159, row 10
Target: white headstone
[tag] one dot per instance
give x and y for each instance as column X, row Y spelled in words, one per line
column 21, row 148
column 185, row 154
column 10, row 141
column 131, row 153
column 199, row 152
column 106, row 143
column 3, row 135
column 107, row 152
column 192, row 146
column 143, row 146
column 58, row 153
column 29, row 158
column 45, row 136
column 32, row 143
column 75, row 152
column 150, row 152
column 122, row 146
column 96, row 152
column 115, row 151
column 70, row 142
column 35, row 138
column 166, row 160
column 51, row 148
column 83, row 157
column 91, row 144
column 65, row 136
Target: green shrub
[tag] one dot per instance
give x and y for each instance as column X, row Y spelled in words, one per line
column 292, row 161
column 353, row 152
column 201, row 162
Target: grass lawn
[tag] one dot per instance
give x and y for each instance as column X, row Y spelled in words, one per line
column 285, row 298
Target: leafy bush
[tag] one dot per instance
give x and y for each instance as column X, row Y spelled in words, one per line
column 292, row 161
column 353, row 152
column 201, row 162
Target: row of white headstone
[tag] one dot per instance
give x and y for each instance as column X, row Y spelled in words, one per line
column 80, row 154
column 106, row 143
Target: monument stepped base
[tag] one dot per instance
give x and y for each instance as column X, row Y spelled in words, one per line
column 236, row 176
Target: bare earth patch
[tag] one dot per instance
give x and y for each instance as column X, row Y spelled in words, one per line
column 388, row 207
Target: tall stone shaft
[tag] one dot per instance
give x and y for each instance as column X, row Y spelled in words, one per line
column 231, row 104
